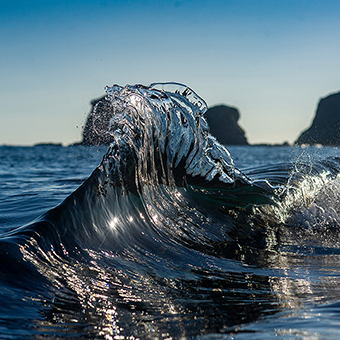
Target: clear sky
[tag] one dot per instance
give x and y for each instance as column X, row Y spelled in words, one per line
column 273, row 60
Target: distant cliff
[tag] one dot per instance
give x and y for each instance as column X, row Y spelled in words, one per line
column 222, row 120
column 325, row 128
column 223, row 124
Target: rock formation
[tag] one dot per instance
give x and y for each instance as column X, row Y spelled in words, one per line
column 223, row 124
column 325, row 129
column 222, row 120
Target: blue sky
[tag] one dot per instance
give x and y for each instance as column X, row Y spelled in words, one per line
column 273, row 60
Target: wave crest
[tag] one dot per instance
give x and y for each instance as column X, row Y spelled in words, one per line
column 160, row 136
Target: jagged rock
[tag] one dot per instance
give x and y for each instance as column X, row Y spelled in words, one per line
column 222, row 120
column 325, row 129
column 223, row 124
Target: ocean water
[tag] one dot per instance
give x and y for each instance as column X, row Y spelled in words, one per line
column 166, row 233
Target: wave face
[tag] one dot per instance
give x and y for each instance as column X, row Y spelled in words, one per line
column 160, row 240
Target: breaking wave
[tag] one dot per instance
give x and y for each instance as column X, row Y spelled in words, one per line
column 155, row 240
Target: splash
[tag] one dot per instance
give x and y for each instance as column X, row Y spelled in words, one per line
column 160, row 132
column 158, row 239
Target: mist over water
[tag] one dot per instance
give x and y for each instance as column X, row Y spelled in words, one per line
column 172, row 234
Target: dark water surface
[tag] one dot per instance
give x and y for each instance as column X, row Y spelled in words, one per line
column 167, row 234
column 287, row 291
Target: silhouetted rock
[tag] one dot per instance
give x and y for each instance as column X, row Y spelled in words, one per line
column 325, row 128
column 223, row 124
column 222, row 120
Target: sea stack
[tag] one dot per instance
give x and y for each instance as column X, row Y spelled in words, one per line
column 325, row 129
column 223, row 124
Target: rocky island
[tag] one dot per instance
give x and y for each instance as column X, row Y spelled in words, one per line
column 223, row 123
column 325, row 128
column 222, row 120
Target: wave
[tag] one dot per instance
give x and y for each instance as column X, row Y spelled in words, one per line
column 165, row 200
